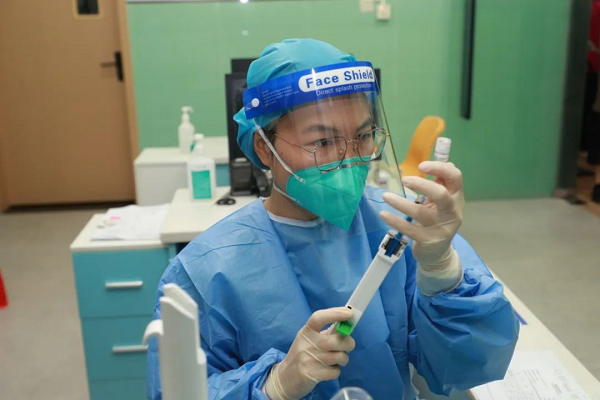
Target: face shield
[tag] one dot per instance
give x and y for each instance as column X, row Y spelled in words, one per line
column 327, row 130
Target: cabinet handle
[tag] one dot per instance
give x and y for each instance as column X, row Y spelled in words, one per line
column 138, row 348
column 123, row 285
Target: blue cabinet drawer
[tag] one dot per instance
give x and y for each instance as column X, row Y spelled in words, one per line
column 222, row 174
column 118, row 390
column 118, row 283
column 113, row 347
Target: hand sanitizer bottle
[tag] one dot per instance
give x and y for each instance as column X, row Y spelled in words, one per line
column 202, row 180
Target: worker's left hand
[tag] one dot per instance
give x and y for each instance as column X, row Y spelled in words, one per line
column 438, row 219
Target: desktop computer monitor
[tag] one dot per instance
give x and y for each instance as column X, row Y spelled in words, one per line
column 235, row 84
column 241, row 171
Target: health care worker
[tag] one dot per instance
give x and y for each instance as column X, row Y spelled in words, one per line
column 270, row 278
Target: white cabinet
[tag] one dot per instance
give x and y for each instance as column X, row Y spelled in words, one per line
column 160, row 171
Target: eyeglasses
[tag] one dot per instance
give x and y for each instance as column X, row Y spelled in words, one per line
column 329, row 153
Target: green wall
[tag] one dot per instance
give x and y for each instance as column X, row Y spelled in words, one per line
column 509, row 149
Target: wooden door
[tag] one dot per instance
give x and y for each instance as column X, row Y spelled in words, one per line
column 63, row 117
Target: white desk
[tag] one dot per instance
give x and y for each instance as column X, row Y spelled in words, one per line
column 214, row 147
column 160, row 171
column 83, row 243
column 116, row 283
column 533, row 337
column 187, row 219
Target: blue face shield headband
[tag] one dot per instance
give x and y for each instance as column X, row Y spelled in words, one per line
column 311, row 85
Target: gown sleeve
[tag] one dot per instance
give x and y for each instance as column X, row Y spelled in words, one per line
column 463, row 338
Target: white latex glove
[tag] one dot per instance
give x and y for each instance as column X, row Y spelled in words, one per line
column 314, row 357
column 438, row 220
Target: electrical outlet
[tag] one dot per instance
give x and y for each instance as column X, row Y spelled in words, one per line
column 367, row 6
column 384, row 11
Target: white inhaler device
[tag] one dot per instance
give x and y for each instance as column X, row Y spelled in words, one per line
column 183, row 371
column 390, row 250
column 202, row 172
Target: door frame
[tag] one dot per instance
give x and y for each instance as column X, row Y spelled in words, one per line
column 3, row 191
column 572, row 107
column 134, row 142
column 132, row 125
column 4, row 200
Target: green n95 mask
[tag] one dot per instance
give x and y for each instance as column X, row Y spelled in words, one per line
column 333, row 195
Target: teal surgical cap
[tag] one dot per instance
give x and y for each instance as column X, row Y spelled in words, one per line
column 276, row 60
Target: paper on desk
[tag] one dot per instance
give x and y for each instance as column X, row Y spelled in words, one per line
column 132, row 223
column 532, row 375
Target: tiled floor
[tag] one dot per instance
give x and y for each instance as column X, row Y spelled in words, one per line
column 547, row 251
column 41, row 354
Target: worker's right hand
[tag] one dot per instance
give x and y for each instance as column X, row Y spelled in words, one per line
column 315, row 356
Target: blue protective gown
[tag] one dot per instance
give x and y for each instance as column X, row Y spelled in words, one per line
column 257, row 281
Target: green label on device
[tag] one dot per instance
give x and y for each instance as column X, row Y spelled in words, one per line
column 201, row 184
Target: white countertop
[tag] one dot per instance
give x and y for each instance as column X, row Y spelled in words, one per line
column 186, row 220
column 532, row 337
column 216, row 148
column 535, row 336
column 83, row 242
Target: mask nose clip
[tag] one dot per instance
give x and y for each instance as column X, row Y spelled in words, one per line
column 354, row 144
